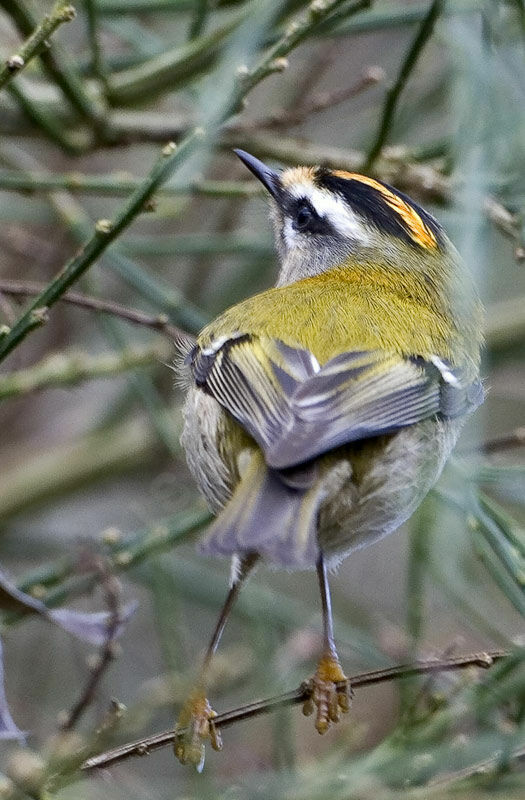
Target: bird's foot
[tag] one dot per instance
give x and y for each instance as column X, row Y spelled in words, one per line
column 329, row 693
column 194, row 726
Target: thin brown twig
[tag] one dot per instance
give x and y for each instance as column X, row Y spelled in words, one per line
column 480, row 768
column 6, row 309
column 286, row 118
column 300, row 695
column 507, row 441
column 159, row 322
column 111, row 589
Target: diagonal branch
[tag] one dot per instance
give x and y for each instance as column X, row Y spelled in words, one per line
column 106, row 231
column 300, row 695
column 111, row 588
column 61, row 12
column 56, row 64
column 423, row 35
column 158, row 322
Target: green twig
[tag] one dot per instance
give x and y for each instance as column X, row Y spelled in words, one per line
column 423, row 35
column 97, row 61
column 61, row 12
column 106, row 231
column 165, row 298
column 169, row 69
column 65, row 369
column 119, row 184
column 124, row 553
column 200, row 13
column 55, row 63
column 47, row 122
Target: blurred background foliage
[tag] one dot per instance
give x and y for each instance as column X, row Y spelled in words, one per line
column 426, row 95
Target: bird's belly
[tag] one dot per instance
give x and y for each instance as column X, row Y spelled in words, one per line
column 386, row 484
column 376, row 487
column 213, row 466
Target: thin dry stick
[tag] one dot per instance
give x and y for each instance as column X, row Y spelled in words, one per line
column 111, row 588
column 508, row 441
column 287, row 118
column 480, row 768
column 159, row 322
column 300, row 695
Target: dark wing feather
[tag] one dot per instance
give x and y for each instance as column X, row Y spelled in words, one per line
column 297, row 410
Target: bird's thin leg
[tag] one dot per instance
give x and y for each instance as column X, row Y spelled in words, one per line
column 330, row 692
column 195, row 721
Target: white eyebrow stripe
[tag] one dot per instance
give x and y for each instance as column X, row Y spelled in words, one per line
column 334, row 209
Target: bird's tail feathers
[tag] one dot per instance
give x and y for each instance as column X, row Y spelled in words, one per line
column 269, row 517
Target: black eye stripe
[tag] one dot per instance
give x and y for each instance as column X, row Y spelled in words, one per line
column 294, row 204
column 298, row 209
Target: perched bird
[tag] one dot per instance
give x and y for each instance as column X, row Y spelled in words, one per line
column 321, row 411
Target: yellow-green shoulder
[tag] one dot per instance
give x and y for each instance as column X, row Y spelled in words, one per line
column 353, row 309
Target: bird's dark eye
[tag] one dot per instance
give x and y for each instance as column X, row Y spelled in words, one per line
column 303, row 217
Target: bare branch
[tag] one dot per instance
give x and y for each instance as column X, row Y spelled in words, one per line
column 508, row 441
column 105, row 232
column 159, row 322
column 111, row 589
column 300, row 695
column 285, row 118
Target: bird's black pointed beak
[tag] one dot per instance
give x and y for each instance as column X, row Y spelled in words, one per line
column 269, row 179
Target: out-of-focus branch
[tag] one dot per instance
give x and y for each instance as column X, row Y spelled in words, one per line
column 509, row 224
column 508, row 441
column 287, row 118
column 97, row 62
column 393, row 167
column 65, row 369
column 169, row 69
column 49, row 124
column 106, row 231
column 111, row 589
column 275, row 59
column 37, row 477
column 160, row 322
column 61, row 579
column 55, row 63
column 481, row 768
column 505, row 323
column 423, row 35
column 118, row 184
column 299, row 695
column 60, row 13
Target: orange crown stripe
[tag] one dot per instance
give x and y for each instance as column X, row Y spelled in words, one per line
column 419, row 232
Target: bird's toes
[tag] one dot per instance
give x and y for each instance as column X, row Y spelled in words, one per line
column 194, row 727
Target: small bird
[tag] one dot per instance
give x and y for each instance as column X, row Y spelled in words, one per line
column 320, row 412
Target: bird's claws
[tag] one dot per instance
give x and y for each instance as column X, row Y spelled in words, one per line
column 194, row 726
column 329, row 693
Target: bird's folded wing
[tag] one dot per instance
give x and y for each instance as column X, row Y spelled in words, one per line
column 297, row 410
